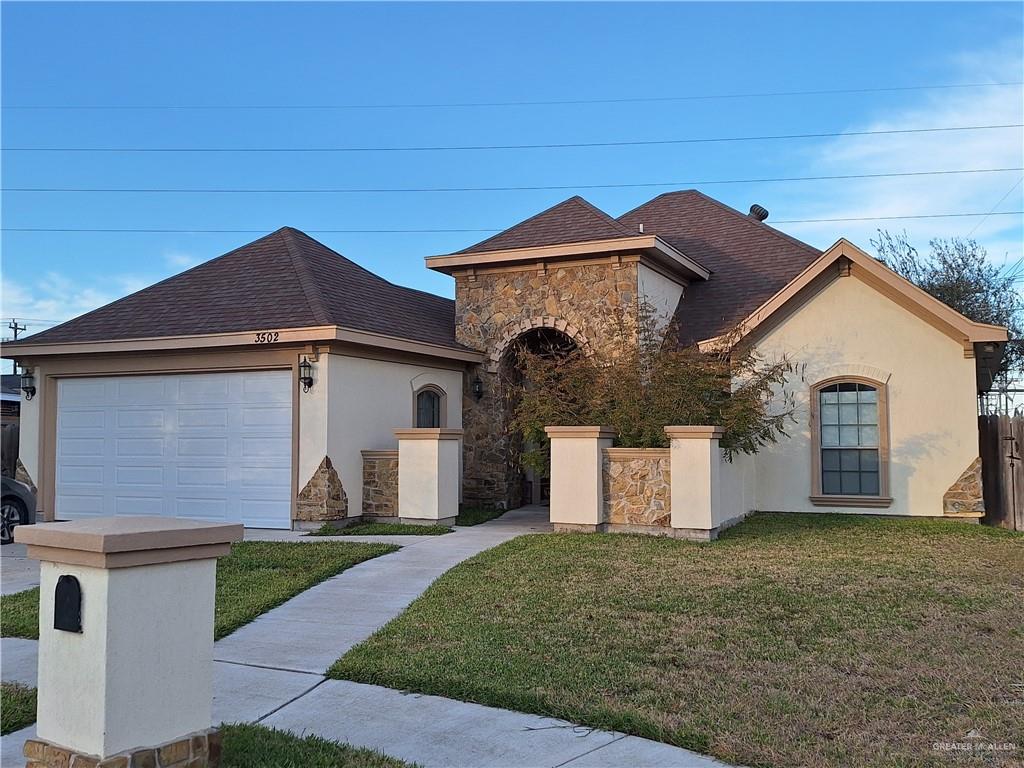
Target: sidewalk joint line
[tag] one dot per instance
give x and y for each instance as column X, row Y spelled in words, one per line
column 292, row 700
column 267, row 666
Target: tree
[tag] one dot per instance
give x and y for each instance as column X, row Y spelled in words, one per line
column 644, row 382
column 958, row 273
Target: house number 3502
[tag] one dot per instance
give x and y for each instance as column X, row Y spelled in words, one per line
column 267, row 337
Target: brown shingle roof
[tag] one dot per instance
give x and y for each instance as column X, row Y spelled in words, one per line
column 571, row 221
column 749, row 261
column 284, row 280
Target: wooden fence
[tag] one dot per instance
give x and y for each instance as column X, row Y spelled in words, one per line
column 1001, row 441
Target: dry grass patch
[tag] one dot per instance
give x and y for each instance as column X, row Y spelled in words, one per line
column 794, row 640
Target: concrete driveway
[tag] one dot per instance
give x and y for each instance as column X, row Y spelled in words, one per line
column 17, row 572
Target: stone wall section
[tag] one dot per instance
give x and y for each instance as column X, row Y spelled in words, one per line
column 965, row 496
column 197, row 750
column 380, row 483
column 323, row 497
column 637, row 485
column 589, row 302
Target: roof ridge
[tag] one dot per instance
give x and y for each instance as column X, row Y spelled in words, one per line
column 729, row 209
column 360, row 267
column 601, row 214
column 577, row 199
column 309, row 286
column 154, row 285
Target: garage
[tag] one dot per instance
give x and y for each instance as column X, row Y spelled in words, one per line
column 204, row 446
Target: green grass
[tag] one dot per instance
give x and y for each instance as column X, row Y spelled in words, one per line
column 477, row 515
column 17, row 707
column 254, row 746
column 811, row 640
column 255, row 577
column 19, row 614
column 381, row 529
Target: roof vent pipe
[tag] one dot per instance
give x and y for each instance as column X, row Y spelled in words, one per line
column 640, row 228
column 758, row 212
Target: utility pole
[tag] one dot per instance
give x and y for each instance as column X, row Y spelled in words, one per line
column 13, row 325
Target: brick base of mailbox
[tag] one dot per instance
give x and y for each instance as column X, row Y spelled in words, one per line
column 198, row 750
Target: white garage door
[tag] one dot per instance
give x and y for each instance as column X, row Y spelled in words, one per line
column 211, row 446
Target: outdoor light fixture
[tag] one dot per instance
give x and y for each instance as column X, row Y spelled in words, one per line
column 306, row 374
column 28, row 384
column 478, row 389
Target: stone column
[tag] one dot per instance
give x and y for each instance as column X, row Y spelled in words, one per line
column 126, row 639
column 577, row 498
column 428, row 475
column 696, row 485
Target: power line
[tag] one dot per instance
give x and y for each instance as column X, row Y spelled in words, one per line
column 459, row 230
column 1008, row 192
column 532, row 103
column 345, row 190
column 567, row 145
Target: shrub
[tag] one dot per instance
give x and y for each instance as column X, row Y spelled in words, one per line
column 643, row 382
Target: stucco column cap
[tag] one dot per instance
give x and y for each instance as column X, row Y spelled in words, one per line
column 694, row 433
column 605, row 432
column 428, row 433
column 122, row 542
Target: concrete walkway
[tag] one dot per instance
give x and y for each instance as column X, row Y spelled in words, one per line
column 272, row 671
column 17, row 572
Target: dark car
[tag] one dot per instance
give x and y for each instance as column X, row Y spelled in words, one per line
column 18, row 508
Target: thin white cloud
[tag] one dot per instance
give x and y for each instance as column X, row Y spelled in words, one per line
column 1002, row 235
column 54, row 298
column 179, row 260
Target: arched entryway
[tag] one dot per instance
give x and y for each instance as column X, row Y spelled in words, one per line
column 526, row 484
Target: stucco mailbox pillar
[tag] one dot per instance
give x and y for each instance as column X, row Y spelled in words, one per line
column 126, row 639
column 696, row 462
column 429, row 463
column 577, row 495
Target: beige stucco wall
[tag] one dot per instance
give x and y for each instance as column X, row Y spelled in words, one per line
column 28, row 435
column 313, row 421
column 661, row 292
column 368, row 400
column 848, row 328
column 738, row 480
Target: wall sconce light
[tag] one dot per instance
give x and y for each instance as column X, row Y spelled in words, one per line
column 478, row 389
column 28, row 384
column 306, row 374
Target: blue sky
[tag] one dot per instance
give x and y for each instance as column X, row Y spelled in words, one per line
column 268, row 53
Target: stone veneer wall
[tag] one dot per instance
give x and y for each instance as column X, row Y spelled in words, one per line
column 323, row 497
column 198, row 750
column 583, row 300
column 380, row 483
column 965, row 495
column 637, row 485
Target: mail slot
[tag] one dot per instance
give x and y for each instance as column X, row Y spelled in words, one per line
column 67, row 604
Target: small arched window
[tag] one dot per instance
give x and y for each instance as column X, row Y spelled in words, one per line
column 850, row 441
column 428, row 408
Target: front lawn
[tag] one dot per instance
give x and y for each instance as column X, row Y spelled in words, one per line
column 822, row 640
column 253, row 746
column 477, row 515
column 17, row 707
column 381, row 529
column 255, row 577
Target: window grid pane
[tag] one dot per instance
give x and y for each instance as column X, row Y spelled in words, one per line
column 428, row 410
column 849, row 418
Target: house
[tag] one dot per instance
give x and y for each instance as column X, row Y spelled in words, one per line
column 265, row 386
column 10, row 413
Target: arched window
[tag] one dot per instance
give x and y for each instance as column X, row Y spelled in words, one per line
column 849, row 428
column 429, row 411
